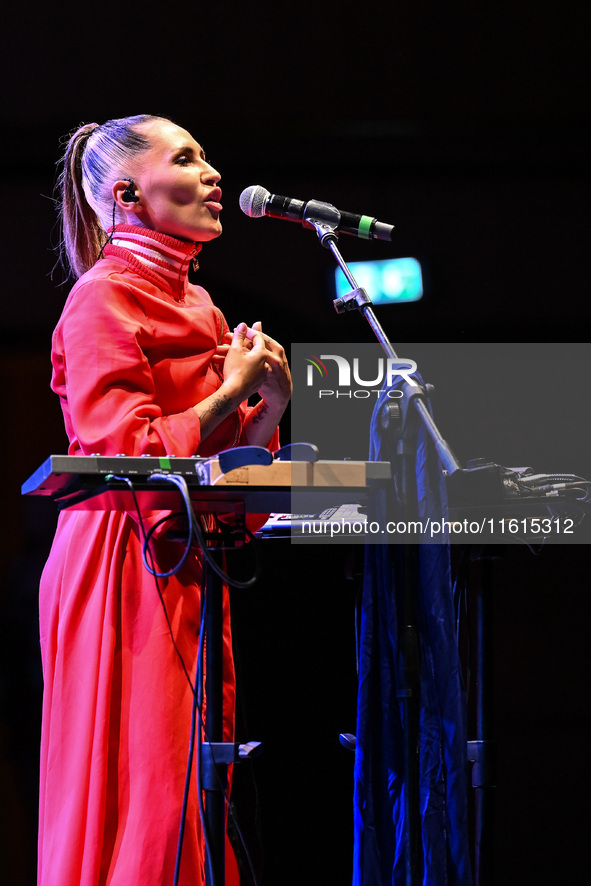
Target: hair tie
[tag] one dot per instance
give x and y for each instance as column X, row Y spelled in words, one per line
column 90, row 130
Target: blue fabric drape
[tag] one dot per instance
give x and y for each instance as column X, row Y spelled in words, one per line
column 380, row 838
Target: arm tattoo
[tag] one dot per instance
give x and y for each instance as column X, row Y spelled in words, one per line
column 220, row 406
column 259, row 414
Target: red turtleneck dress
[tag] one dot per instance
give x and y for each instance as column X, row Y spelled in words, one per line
column 132, row 354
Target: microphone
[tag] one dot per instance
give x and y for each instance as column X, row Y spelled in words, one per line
column 256, row 202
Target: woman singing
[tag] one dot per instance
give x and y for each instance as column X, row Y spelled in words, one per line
column 143, row 364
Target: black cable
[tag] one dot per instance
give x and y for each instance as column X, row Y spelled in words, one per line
column 233, row 582
column 148, row 539
column 195, row 709
column 195, row 532
column 195, row 738
column 146, row 552
column 568, row 481
column 153, row 572
column 109, row 236
column 181, row 485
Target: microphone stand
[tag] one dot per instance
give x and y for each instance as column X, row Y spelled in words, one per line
column 325, row 219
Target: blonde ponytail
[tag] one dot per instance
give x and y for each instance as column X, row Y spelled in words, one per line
column 82, row 233
column 95, row 157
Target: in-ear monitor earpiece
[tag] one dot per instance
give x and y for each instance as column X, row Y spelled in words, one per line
column 129, row 194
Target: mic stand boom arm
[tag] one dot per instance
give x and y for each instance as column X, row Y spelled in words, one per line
column 324, row 218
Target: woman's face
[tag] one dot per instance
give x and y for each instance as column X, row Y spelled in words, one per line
column 177, row 189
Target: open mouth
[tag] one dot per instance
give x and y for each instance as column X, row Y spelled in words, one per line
column 213, row 200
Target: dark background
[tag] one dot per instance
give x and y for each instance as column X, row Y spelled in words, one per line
column 463, row 124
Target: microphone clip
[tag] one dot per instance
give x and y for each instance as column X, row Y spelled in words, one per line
column 325, row 219
column 352, row 301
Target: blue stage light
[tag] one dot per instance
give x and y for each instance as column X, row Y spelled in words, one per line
column 387, row 282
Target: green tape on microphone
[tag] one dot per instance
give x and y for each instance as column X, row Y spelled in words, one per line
column 365, row 223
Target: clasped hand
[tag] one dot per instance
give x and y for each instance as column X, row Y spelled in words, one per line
column 254, row 362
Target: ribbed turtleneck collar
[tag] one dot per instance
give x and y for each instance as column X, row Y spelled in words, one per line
column 159, row 257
